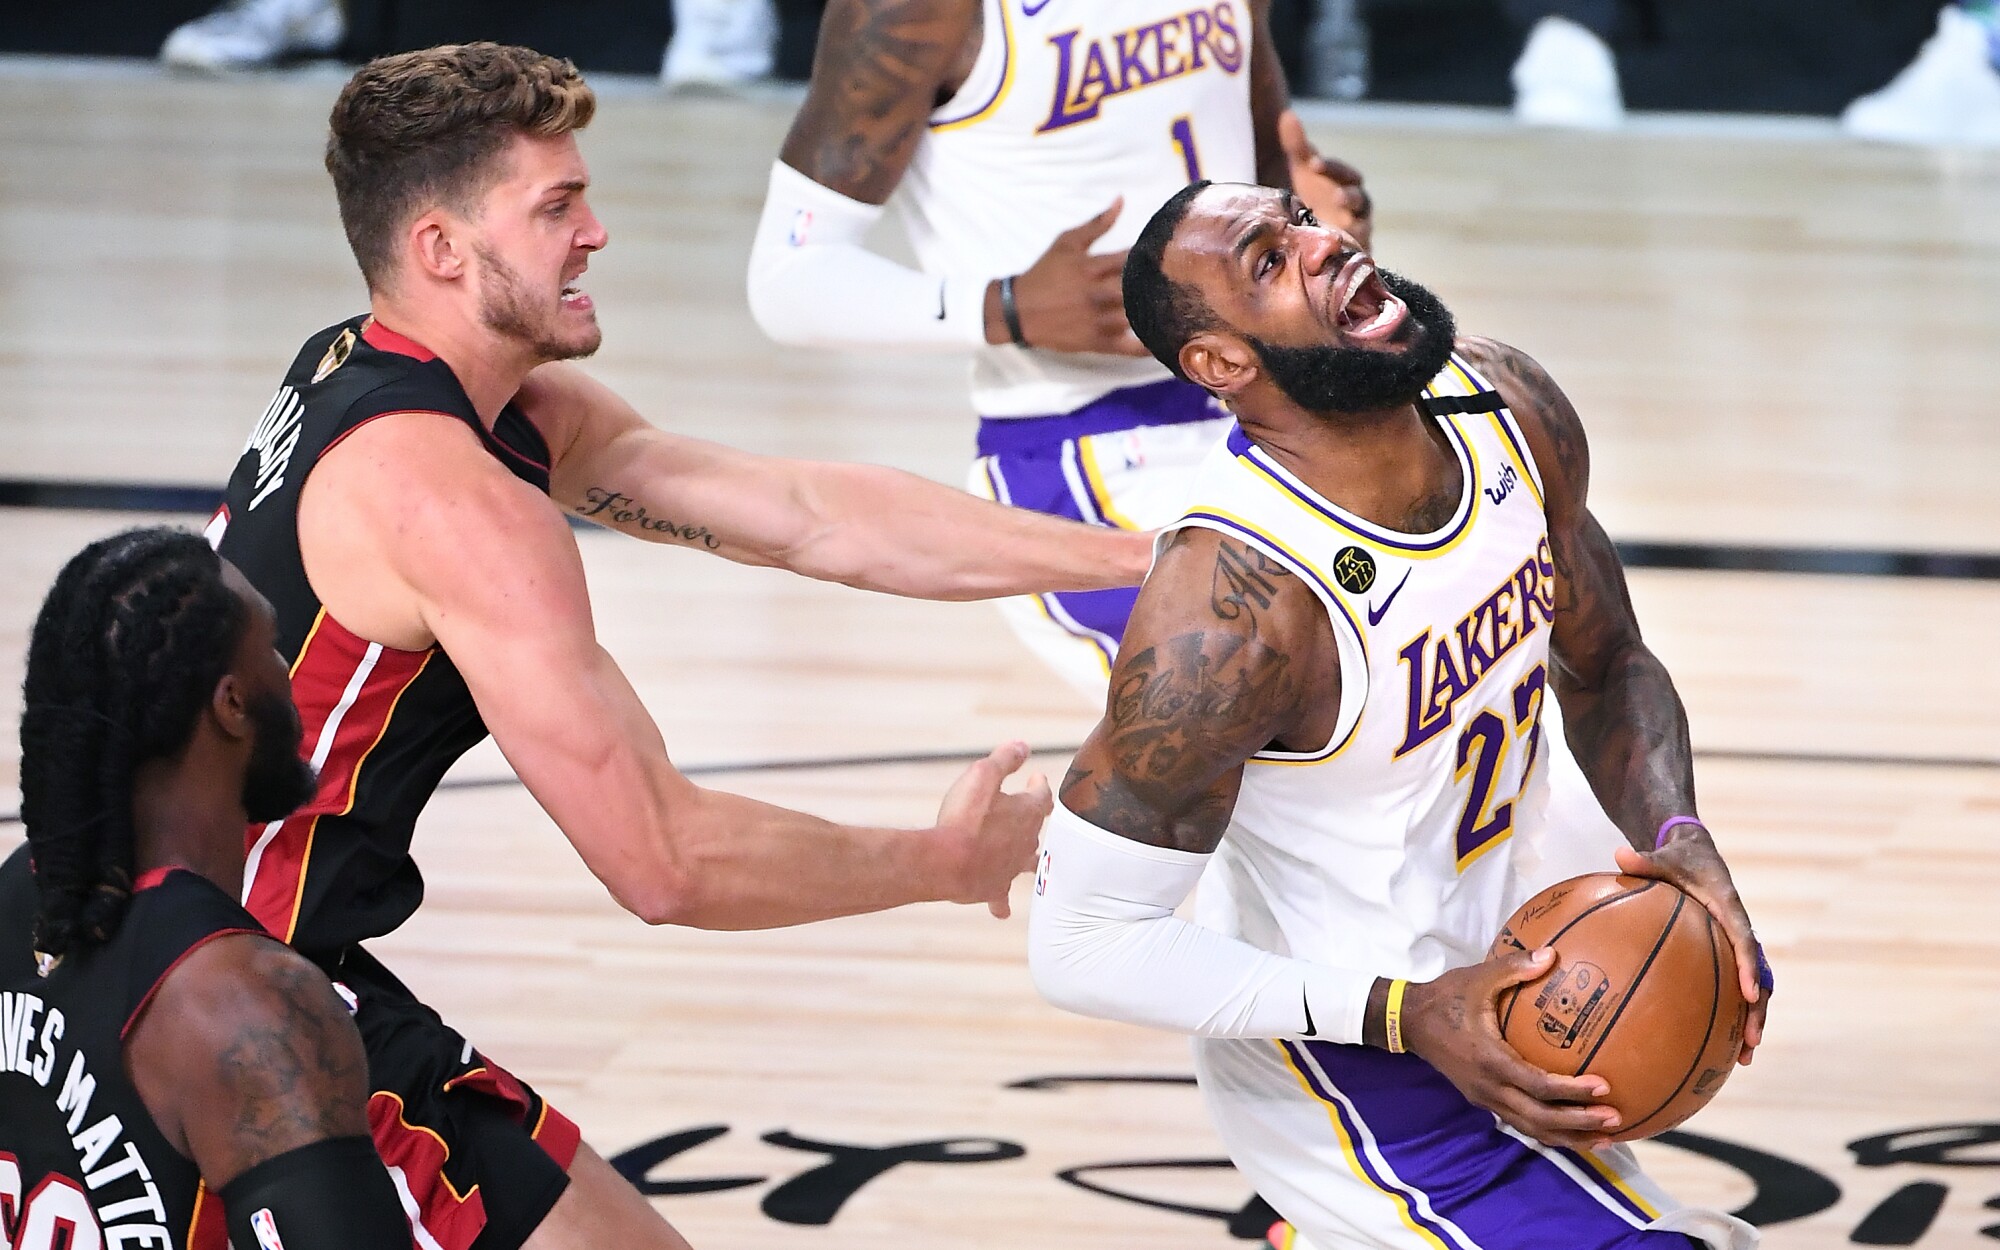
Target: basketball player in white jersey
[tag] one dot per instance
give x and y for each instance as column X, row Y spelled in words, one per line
column 1022, row 143
column 1330, row 698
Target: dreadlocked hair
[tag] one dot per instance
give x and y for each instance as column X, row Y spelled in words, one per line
column 126, row 652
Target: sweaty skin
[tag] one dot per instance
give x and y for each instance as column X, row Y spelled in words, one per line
column 1226, row 654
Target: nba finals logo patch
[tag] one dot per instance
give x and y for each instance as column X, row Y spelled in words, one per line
column 266, row 1228
column 336, row 355
column 1354, row 569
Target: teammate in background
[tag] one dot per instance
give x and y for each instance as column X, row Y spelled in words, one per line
column 183, row 1080
column 1023, row 144
column 403, row 502
column 1332, row 688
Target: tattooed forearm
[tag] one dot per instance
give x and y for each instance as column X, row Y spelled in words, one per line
column 1630, row 736
column 610, row 507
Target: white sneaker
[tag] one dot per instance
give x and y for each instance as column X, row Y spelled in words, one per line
column 720, row 42
column 1565, row 77
column 245, row 33
column 1949, row 95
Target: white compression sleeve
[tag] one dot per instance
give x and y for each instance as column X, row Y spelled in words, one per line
column 813, row 284
column 1103, row 940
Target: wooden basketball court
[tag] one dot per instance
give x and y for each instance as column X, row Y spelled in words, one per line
column 1778, row 339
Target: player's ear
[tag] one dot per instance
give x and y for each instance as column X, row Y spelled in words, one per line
column 230, row 705
column 435, row 248
column 1223, row 364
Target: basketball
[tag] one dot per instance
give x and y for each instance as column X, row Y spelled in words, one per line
column 1644, row 993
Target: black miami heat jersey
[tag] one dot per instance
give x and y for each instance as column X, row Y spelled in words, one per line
column 81, row 1163
column 381, row 724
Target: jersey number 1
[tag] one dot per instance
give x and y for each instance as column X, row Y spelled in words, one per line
column 1183, row 133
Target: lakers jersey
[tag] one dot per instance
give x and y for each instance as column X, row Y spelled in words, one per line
column 1390, row 849
column 1069, row 105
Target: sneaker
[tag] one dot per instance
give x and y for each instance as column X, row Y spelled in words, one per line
column 246, row 33
column 1566, row 77
column 1949, row 95
column 719, row 43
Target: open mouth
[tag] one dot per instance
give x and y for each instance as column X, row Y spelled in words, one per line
column 573, row 295
column 1363, row 308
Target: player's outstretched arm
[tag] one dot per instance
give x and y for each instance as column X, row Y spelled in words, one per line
column 438, row 542
column 251, row 1067
column 1624, row 718
column 860, row 525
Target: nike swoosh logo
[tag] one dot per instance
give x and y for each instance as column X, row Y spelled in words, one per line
column 1029, row 10
column 1376, row 614
column 1310, row 1030
column 940, row 315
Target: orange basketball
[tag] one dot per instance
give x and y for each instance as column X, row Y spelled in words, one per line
column 1643, row 993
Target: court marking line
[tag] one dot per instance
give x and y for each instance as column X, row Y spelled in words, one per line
column 969, row 757
column 99, row 496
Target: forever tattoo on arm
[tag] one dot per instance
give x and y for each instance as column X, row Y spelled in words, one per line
column 613, row 507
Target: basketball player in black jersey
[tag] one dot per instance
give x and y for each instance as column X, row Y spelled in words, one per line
column 170, row 1076
column 403, row 504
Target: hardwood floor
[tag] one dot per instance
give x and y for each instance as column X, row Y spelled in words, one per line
column 1772, row 339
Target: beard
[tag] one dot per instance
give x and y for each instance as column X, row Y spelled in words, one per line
column 1326, row 378
column 508, row 307
column 277, row 782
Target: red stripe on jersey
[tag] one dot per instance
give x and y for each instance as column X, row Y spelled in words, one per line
column 208, row 1229
column 382, row 338
column 451, row 1218
column 346, row 689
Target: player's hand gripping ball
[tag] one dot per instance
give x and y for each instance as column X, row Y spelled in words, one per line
column 1644, row 993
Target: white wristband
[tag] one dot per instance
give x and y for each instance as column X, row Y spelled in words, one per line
column 1103, row 941
column 812, row 282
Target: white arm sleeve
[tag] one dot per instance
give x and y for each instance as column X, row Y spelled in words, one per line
column 1103, row 940
column 812, row 283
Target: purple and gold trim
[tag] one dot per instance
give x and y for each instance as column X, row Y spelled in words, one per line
column 1461, row 1178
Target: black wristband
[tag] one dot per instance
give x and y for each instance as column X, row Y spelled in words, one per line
column 1010, row 313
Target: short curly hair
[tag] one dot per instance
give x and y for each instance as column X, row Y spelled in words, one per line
column 1164, row 313
column 419, row 129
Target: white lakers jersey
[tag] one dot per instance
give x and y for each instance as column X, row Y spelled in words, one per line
column 1070, row 104
column 1390, row 850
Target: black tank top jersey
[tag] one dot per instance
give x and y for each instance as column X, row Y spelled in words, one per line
column 77, row 1145
column 382, row 724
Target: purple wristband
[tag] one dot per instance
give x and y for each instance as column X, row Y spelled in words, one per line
column 1669, row 826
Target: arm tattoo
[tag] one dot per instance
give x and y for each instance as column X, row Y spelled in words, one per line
column 1245, row 580
column 1185, row 713
column 295, row 1080
column 610, row 507
column 1626, row 722
column 878, row 69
